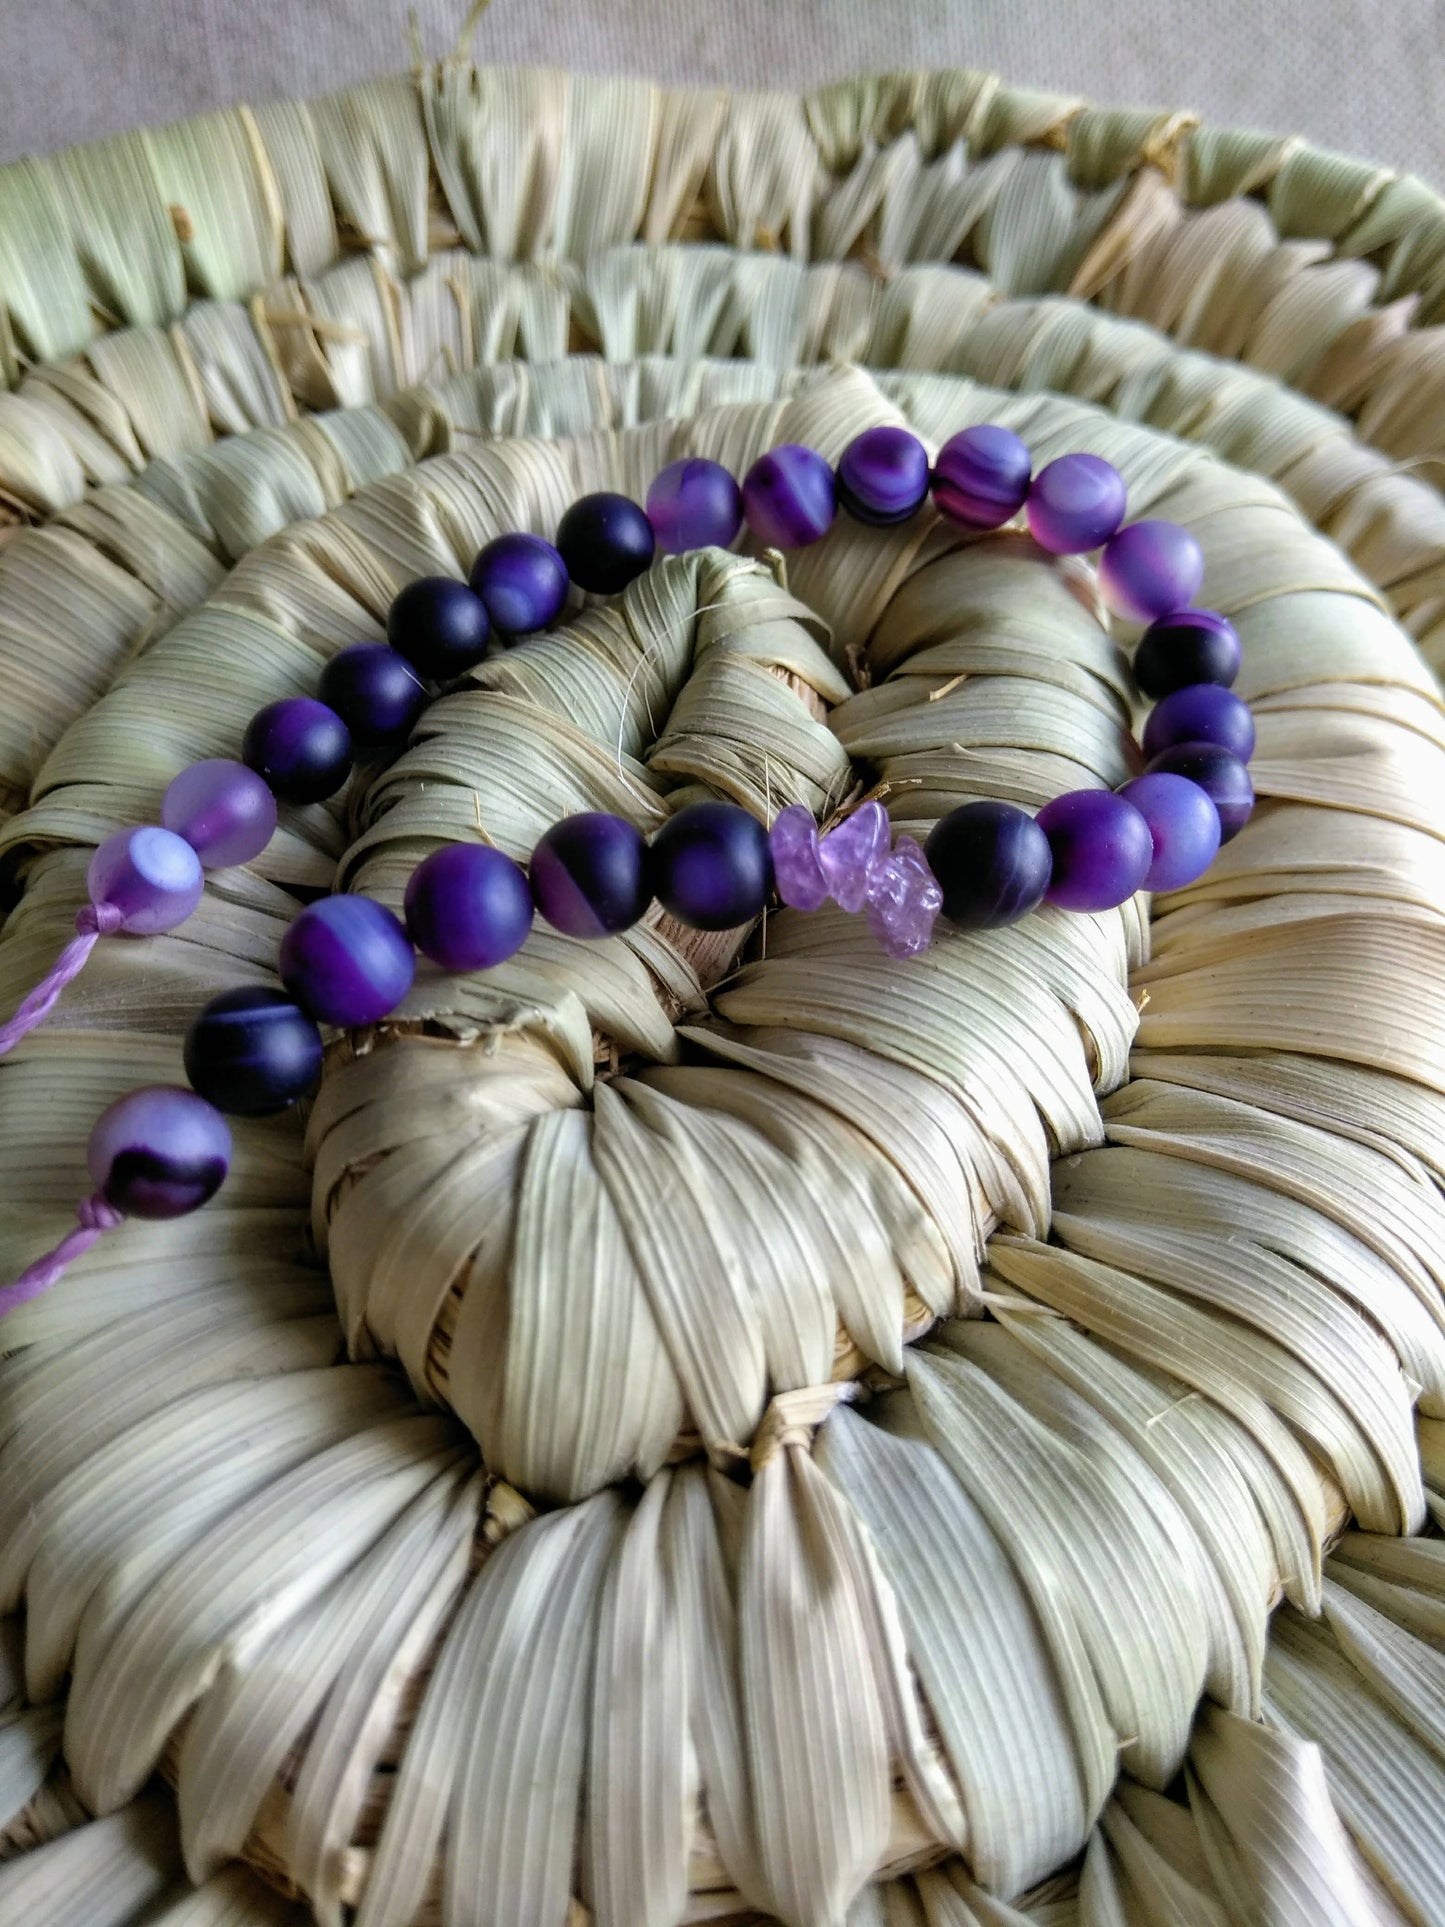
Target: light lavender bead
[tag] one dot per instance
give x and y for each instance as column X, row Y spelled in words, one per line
column 1150, row 569
column 797, row 870
column 848, row 853
column 904, row 900
column 150, row 875
column 159, row 1152
column 1076, row 504
column 225, row 811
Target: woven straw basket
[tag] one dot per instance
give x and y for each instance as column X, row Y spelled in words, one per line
column 806, row 1438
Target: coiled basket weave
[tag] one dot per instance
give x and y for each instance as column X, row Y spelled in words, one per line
column 678, row 1437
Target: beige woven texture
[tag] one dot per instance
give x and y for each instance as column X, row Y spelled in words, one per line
column 807, row 1437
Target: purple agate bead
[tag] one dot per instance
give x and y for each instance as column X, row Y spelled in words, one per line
column 605, row 541
column 848, row 853
column 589, row 875
column 1183, row 825
column 224, row 810
column 694, row 504
column 981, row 476
column 904, row 899
column 789, row 497
column 1076, row 504
column 1150, row 569
column 710, row 866
column 300, row 747
column 468, row 907
column 797, row 870
column 523, row 582
column 375, row 692
column 439, row 626
column 1100, row 846
column 159, row 1152
column 1219, row 773
column 1201, row 713
column 883, row 476
column 992, row 862
column 347, row 960
column 150, row 875
column 1193, row 645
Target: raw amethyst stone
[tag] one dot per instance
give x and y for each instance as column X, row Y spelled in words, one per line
column 883, row 476
column 253, row 1052
column 848, row 853
column 375, row 692
column 981, row 476
column 1076, row 504
column 694, row 504
column 439, row 626
column 468, row 907
column 605, row 540
column 300, row 747
column 224, row 810
column 789, row 497
column 523, row 582
column 1183, row 824
column 1201, row 713
column 589, row 875
column 797, row 871
column 904, row 900
column 1101, row 849
column 1150, row 569
column 347, row 960
column 1195, row 645
column 1219, row 773
column 710, row 866
column 159, row 1152
column 151, row 875
column 992, row 863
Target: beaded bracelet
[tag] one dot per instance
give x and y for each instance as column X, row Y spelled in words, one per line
column 164, row 1150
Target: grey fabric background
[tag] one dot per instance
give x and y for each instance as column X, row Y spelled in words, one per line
column 1365, row 76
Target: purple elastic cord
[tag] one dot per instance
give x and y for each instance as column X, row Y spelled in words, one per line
column 94, row 1217
column 92, row 921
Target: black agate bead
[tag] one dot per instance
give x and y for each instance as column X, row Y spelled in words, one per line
column 711, row 866
column 439, row 626
column 605, row 540
column 992, row 862
column 252, row 1052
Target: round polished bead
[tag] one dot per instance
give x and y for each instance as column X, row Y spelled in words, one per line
column 468, row 907
column 1196, row 645
column 347, row 960
column 1183, row 825
column 375, row 692
column 711, row 867
column 523, row 582
column 1219, row 773
column 253, row 1052
column 589, row 875
column 1101, row 849
column 883, row 476
column 789, row 497
column 150, row 875
column 439, row 626
column 1150, row 569
column 605, row 541
column 981, row 477
column 300, row 747
column 992, row 863
column 159, row 1152
column 694, row 504
column 225, row 811
column 1075, row 504
column 1201, row 713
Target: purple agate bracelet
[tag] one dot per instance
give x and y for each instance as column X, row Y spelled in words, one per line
column 164, row 1150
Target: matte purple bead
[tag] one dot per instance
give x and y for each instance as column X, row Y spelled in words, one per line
column 1076, row 504
column 1150, row 569
column 605, row 541
column 523, row 582
column 1201, row 713
column 347, row 960
column 981, row 476
column 375, row 692
column 1101, row 849
column 1183, row 824
column 847, row 854
column 1196, row 645
column 992, row 862
column 159, row 1152
column 883, row 476
column 439, row 626
column 1219, row 773
column 797, row 870
column 225, row 811
column 300, row 747
column 253, row 1052
column 468, row 907
column 589, row 875
column 904, row 900
column 694, row 504
column 151, row 875
column 710, row 866
column 789, row 497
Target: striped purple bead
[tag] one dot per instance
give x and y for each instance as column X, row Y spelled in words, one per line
column 789, row 497
column 981, row 476
column 883, row 476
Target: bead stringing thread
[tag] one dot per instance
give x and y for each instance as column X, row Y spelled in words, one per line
column 163, row 1151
